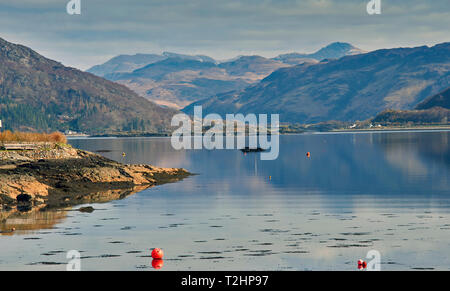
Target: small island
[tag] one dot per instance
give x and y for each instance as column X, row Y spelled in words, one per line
column 52, row 173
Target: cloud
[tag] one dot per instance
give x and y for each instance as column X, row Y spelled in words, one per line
column 221, row 29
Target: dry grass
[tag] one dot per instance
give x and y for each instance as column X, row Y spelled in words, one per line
column 9, row 136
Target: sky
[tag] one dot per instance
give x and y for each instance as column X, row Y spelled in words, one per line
column 221, row 29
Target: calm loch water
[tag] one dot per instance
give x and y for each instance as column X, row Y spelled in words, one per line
column 358, row 192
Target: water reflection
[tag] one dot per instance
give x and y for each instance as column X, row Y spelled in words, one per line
column 22, row 221
column 27, row 222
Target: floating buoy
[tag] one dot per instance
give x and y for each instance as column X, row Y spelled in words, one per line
column 362, row 265
column 308, row 154
column 157, row 253
column 157, row 264
column 270, row 177
column 13, row 229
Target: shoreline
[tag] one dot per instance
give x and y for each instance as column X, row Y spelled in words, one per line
column 347, row 130
column 56, row 175
column 396, row 129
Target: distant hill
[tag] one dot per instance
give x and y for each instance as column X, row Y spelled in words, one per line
column 335, row 50
column 347, row 89
column 247, row 65
column 129, row 63
column 433, row 110
column 159, row 70
column 125, row 64
column 39, row 94
column 439, row 100
column 432, row 116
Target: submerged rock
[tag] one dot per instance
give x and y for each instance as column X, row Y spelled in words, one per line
column 88, row 209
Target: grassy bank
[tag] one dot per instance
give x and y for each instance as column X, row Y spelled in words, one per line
column 9, row 136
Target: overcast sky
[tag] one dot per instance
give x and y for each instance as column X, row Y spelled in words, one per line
column 219, row 28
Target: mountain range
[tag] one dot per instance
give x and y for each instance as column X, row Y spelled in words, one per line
column 176, row 80
column 354, row 87
column 39, row 94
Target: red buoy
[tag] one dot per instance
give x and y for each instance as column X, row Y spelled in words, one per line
column 308, row 154
column 362, row 265
column 157, row 264
column 157, row 253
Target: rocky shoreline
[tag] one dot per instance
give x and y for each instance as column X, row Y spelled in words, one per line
column 57, row 175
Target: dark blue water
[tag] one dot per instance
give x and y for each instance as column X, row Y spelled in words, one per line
column 357, row 192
